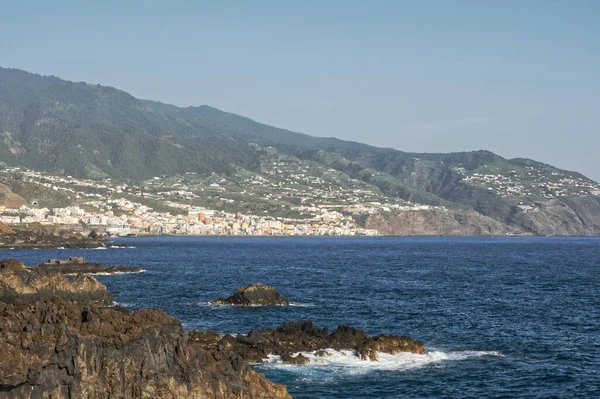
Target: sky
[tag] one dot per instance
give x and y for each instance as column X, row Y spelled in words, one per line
column 518, row 78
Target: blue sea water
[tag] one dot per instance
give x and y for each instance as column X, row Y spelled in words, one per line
column 500, row 317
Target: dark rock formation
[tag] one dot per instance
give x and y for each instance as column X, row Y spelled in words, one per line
column 98, row 235
column 299, row 359
column 292, row 337
column 57, row 342
column 49, row 352
column 254, row 295
column 122, row 269
column 44, row 237
column 80, row 265
column 19, row 281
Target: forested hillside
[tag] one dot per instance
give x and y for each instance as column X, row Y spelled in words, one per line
column 84, row 130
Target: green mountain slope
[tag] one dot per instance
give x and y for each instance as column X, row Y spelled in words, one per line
column 85, row 130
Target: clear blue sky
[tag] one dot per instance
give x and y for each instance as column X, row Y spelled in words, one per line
column 519, row 78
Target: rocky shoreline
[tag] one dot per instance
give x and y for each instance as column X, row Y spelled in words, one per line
column 63, row 340
column 76, row 265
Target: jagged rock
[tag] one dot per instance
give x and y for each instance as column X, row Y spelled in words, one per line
column 80, row 265
column 49, row 351
column 19, row 281
column 98, row 235
column 122, row 269
column 293, row 337
column 53, row 347
column 254, row 295
column 299, row 359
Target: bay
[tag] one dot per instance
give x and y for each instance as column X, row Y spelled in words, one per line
column 500, row 317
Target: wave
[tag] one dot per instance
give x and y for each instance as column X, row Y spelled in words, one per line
column 105, row 274
column 347, row 362
column 302, row 305
column 115, row 273
column 123, row 304
column 292, row 304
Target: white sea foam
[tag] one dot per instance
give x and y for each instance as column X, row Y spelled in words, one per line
column 115, row 273
column 302, row 305
column 347, row 362
column 104, row 273
column 122, row 304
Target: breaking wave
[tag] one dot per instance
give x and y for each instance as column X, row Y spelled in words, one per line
column 347, row 362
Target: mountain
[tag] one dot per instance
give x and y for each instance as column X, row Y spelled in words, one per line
column 95, row 131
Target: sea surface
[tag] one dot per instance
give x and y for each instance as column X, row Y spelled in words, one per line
column 500, row 317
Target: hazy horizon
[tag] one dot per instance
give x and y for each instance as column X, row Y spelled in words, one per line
column 516, row 79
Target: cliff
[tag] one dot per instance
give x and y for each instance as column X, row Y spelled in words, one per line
column 49, row 351
column 569, row 216
column 572, row 216
column 436, row 222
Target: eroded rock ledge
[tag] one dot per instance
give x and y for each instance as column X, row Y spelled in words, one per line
column 20, row 282
column 49, row 351
column 59, row 342
column 294, row 337
column 254, row 295
column 76, row 265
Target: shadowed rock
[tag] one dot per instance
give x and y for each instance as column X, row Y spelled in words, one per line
column 299, row 359
column 48, row 351
column 254, row 295
column 19, row 281
column 26, row 236
column 292, row 337
column 80, row 265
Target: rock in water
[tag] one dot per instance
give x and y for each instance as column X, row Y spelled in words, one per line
column 254, row 295
column 300, row 359
column 293, row 337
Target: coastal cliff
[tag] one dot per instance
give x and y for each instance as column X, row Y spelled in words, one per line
column 436, row 222
column 575, row 216
column 569, row 216
column 60, row 342
column 48, row 351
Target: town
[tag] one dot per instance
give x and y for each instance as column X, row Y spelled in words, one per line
column 287, row 196
column 112, row 207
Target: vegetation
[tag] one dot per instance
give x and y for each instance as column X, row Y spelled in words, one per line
column 95, row 131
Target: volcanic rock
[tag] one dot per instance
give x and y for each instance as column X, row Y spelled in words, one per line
column 254, row 295
column 48, row 351
column 76, row 265
column 122, row 269
column 19, row 281
column 299, row 359
column 44, row 237
column 293, row 337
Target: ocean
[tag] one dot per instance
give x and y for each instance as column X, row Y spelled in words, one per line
column 500, row 317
